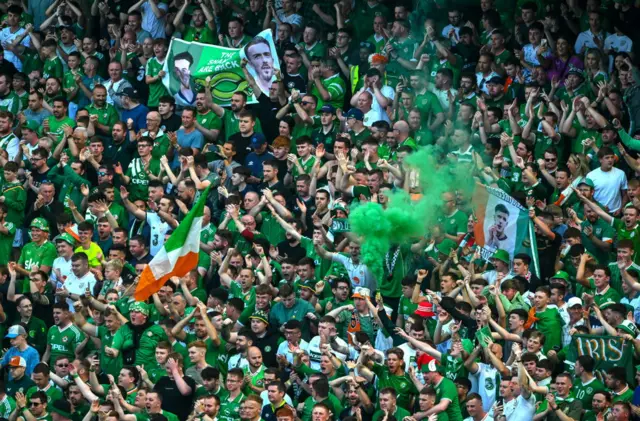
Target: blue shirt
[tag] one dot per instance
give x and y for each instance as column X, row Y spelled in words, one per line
column 254, row 162
column 30, row 355
column 138, row 115
column 188, row 140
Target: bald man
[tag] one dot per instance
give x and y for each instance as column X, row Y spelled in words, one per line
column 254, row 373
column 401, row 132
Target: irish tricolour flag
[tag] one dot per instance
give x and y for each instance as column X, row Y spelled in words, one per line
column 178, row 256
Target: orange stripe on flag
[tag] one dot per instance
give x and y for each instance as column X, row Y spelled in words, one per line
column 149, row 285
column 480, row 197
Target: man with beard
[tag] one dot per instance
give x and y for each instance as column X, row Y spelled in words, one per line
column 103, row 115
column 140, row 337
column 207, row 122
column 119, row 149
column 231, row 118
column 54, row 124
column 203, row 25
column 63, row 339
column 259, row 56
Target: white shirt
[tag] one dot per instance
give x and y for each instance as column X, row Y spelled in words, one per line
column 609, row 186
column 482, row 81
column 158, row 230
column 388, row 92
column 64, row 267
column 6, row 36
column 585, row 40
column 520, row 409
column 315, row 353
column 487, row 384
column 78, row 286
column 283, row 349
column 374, row 115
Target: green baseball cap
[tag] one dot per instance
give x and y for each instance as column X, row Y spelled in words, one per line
column 66, row 238
column 501, row 255
column 260, row 315
column 445, row 246
column 30, row 125
column 561, row 274
column 588, row 182
column 40, row 223
column 140, row 307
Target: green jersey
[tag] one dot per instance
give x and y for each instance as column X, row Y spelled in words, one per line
column 446, row 390
column 6, row 242
column 204, row 35
column 623, row 233
column 10, row 102
column 397, row 263
column 401, row 383
column 56, row 126
column 139, row 184
column 602, row 231
column 232, row 125
column 209, row 120
column 146, row 347
column 53, row 393
column 7, row 405
column 336, row 88
column 53, row 68
column 39, row 255
column 616, row 277
column 625, row 395
column 107, row 115
column 156, row 89
column 307, row 166
column 230, row 409
column 406, row 307
column 145, row 416
column 454, row 224
column 110, row 365
column 585, row 391
column 63, row 342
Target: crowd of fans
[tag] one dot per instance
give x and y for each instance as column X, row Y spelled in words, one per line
column 282, row 319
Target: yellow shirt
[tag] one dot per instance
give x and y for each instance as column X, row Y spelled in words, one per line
column 94, row 253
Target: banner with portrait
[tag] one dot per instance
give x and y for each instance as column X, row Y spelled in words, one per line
column 189, row 64
column 502, row 223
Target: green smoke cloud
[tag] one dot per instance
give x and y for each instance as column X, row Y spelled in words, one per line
column 405, row 220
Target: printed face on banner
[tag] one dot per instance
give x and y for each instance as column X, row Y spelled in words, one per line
column 260, row 53
column 500, row 225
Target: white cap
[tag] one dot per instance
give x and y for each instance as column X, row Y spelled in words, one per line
column 574, row 301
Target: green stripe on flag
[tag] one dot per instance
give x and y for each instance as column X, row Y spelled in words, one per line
column 178, row 237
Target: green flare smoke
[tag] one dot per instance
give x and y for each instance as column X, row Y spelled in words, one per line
column 405, row 220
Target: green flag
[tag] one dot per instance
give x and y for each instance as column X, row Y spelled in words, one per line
column 607, row 351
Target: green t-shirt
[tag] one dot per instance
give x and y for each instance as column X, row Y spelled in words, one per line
column 585, row 392
column 33, row 254
column 109, row 365
column 145, row 352
column 6, row 243
column 402, row 384
column 447, row 390
column 53, row 393
column 454, row 224
column 10, row 103
column 550, row 324
column 107, row 115
column 204, row 35
column 603, row 232
column 230, row 409
column 336, row 88
column 53, row 68
column 63, row 342
column 56, row 126
column 139, row 184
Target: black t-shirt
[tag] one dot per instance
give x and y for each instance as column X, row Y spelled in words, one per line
column 286, row 250
column 242, row 146
column 547, row 252
column 171, row 124
column 174, row 401
column 121, row 6
column 298, row 82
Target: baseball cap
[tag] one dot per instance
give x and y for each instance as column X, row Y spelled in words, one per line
column 629, row 327
column 17, row 361
column 309, row 284
column 257, row 140
column 496, row 80
column 40, row 223
column 425, row 309
column 361, row 292
column 30, row 125
column 328, row 109
column 574, row 301
column 129, row 92
column 15, row 331
column 260, row 315
column 575, row 71
column 140, row 307
column 588, row 182
column 355, row 113
column 65, row 237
